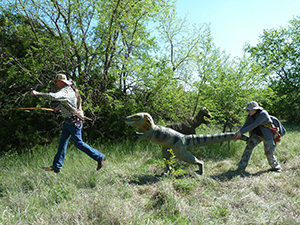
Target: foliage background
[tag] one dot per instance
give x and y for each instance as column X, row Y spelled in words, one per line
column 131, row 56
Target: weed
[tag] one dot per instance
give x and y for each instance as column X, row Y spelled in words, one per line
column 130, row 189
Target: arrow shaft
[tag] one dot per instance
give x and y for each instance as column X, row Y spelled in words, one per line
column 44, row 109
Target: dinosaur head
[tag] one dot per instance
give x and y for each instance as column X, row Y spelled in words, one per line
column 143, row 121
column 203, row 112
column 206, row 112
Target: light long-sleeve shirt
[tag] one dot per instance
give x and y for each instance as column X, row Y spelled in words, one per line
column 66, row 96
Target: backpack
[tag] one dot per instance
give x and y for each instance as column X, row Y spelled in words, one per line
column 277, row 128
column 276, row 123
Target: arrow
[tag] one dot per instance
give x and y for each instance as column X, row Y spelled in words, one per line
column 44, row 109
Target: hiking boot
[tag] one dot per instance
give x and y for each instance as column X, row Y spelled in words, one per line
column 100, row 163
column 51, row 169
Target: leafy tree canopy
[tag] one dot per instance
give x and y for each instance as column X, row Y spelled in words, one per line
column 277, row 56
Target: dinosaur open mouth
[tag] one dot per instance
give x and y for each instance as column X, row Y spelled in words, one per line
column 129, row 122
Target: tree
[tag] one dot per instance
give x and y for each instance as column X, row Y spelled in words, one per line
column 180, row 44
column 225, row 85
column 121, row 69
column 21, row 63
column 277, row 54
column 93, row 42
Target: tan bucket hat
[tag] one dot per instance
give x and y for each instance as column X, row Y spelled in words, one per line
column 253, row 106
column 63, row 78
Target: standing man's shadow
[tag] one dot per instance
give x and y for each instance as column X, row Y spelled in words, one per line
column 230, row 174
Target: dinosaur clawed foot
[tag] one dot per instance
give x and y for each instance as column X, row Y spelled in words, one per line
column 201, row 169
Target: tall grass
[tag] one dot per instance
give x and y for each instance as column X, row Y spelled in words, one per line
column 130, row 189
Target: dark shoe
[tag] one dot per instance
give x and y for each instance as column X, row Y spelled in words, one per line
column 100, row 163
column 51, row 169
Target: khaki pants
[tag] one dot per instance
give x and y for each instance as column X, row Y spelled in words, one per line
column 269, row 148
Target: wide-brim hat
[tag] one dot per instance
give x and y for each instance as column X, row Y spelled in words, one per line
column 253, row 106
column 63, row 78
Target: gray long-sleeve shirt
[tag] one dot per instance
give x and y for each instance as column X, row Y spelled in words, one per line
column 259, row 119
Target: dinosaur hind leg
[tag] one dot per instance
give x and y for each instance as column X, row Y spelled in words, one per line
column 183, row 155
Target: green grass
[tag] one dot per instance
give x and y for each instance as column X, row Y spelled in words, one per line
column 129, row 189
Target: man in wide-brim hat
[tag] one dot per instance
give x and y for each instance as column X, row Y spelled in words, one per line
column 257, row 124
column 69, row 97
column 63, row 78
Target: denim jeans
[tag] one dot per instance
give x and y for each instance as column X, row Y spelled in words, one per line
column 73, row 130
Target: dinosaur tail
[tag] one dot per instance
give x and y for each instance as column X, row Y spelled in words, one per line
column 202, row 140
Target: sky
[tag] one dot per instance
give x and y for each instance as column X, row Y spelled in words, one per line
column 236, row 22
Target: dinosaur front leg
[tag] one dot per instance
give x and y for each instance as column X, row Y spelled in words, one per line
column 139, row 136
column 182, row 154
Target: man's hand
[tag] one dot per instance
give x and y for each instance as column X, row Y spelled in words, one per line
column 237, row 136
column 57, row 110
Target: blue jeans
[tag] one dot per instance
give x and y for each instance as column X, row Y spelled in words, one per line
column 72, row 129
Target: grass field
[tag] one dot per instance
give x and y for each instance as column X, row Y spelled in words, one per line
column 130, row 189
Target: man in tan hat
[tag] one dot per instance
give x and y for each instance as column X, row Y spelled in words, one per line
column 257, row 124
column 70, row 106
